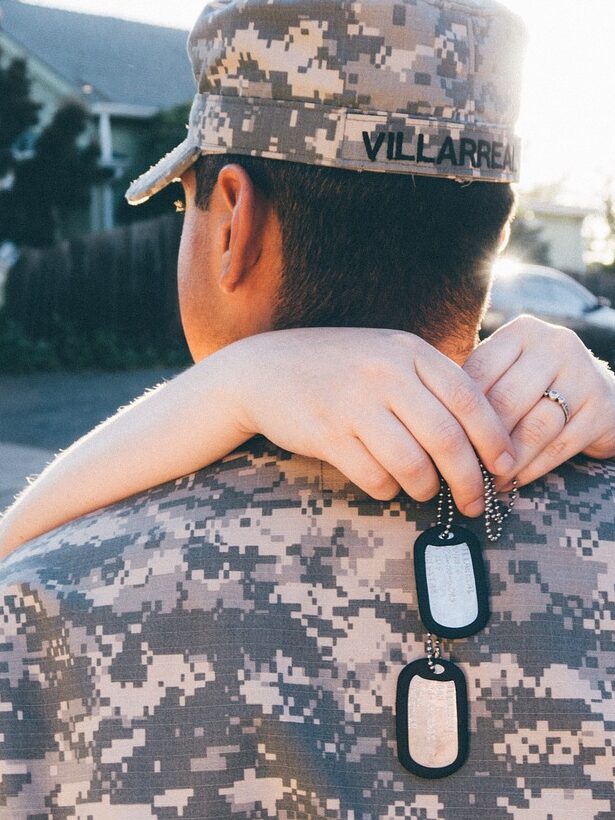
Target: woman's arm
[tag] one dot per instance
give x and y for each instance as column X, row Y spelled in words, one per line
column 371, row 402
column 142, row 445
column 383, row 407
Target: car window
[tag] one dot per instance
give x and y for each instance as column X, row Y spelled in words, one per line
column 542, row 294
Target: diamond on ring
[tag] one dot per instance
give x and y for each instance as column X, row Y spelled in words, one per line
column 556, row 396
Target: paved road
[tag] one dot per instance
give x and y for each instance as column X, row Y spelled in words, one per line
column 43, row 413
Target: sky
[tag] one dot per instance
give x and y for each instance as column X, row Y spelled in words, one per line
column 568, row 115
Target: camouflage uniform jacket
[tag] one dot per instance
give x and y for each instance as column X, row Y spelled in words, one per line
column 228, row 645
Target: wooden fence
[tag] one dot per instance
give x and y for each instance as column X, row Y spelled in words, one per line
column 123, row 281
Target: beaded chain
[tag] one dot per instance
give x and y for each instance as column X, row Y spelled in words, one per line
column 495, row 512
column 432, row 650
column 495, row 516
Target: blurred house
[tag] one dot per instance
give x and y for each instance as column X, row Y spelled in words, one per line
column 122, row 72
column 562, row 227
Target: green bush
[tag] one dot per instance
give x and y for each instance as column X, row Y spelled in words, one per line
column 18, row 354
column 67, row 349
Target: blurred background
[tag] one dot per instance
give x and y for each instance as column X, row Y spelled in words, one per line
column 88, row 306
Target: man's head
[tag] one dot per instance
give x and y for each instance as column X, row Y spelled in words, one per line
column 271, row 245
column 371, row 147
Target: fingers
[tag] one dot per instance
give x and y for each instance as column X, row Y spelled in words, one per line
column 467, row 404
column 592, row 417
column 353, row 459
column 534, row 433
column 515, row 394
column 385, row 456
column 492, row 358
column 537, row 432
column 515, row 366
column 440, row 434
column 398, row 452
column 562, row 448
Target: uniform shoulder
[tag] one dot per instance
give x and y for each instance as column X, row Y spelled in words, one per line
column 261, row 475
column 575, row 503
column 580, row 476
column 258, row 469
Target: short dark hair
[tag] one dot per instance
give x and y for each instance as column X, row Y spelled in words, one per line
column 377, row 250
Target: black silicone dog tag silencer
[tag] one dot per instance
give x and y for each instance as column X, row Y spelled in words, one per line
column 451, row 582
column 432, row 719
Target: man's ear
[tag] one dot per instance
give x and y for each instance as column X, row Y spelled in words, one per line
column 243, row 231
column 504, row 237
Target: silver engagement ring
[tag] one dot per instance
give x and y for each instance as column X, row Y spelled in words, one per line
column 556, row 396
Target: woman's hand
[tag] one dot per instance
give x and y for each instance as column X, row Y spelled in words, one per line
column 516, row 365
column 382, row 406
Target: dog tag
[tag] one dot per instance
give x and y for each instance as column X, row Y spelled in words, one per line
column 432, row 718
column 451, row 582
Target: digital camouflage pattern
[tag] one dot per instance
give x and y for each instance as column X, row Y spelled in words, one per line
column 401, row 86
column 228, row 645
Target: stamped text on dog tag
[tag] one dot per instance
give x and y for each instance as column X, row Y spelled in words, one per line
column 451, row 582
column 432, row 719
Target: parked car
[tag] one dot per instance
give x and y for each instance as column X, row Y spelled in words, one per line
column 555, row 297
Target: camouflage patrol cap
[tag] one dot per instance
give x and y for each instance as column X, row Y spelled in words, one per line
column 426, row 87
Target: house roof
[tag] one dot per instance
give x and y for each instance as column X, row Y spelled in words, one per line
column 134, row 64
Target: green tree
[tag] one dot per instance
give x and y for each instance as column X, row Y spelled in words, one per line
column 53, row 178
column 56, row 180
column 18, row 112
column 165, row 130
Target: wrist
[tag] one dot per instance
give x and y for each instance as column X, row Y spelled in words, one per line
column 229, row 382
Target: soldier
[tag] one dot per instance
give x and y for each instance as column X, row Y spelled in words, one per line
column 230, row 644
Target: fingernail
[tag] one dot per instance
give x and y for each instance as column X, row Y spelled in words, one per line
column 476, row 508
column 504, row 464
column 506, row 488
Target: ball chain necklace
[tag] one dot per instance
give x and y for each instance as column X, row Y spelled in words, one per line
column 453, row 598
